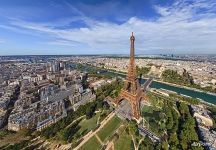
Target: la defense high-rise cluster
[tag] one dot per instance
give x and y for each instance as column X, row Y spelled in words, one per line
column 132, row 90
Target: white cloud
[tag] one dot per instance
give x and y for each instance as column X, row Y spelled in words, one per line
column 2, row 41
column 62, row 43
column 181, row 28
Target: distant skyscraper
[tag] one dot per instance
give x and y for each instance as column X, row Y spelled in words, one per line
column 54, row 66
column 62, row 65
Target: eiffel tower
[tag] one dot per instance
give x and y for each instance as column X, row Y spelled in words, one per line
column 132, row 90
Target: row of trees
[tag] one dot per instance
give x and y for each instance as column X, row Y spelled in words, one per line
column 181, row 128
column 142, row 70
column 20, row 145
column 59, row 129
column 187, row 133
column 111, row 90
column 70, row 134
column 185, row 79
column 60, row 126
column 174, row 122
column 213, row 115
column 185, row 99
column 173, row 77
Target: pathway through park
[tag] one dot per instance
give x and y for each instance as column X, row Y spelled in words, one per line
column 91, row 134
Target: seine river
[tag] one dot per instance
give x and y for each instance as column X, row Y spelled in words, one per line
column 158, row 85
column 195, row 94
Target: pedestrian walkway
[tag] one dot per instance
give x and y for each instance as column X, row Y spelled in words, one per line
column 91, row 134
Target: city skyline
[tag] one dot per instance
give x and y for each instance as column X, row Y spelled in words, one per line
column 101, row 27
column 108, row 74
column 75, row 100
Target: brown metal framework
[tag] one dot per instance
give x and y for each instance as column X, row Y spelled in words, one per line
column 132, row 90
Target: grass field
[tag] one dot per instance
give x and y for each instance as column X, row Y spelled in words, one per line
column 91, row 144
column 124, row 142
column 12, row 138
column 89, row 124
column 109, row 128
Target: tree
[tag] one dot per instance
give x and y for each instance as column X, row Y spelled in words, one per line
column 188, row 79
column 142, row 71
column 187, row 126
column 90, row 111
column 63, row 135
column 147, row 144
column 133, row 128
column 165, row 145
column 173, row 140
column 169, row 122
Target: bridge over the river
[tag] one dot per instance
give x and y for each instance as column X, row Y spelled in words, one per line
column 146, row 85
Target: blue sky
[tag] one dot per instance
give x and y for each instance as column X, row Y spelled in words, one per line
column 103, row 27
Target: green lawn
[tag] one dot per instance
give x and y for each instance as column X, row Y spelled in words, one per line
column 91, row 144
column 109, row 128
column 88, row 124
column 124, row 142
column 12, row 138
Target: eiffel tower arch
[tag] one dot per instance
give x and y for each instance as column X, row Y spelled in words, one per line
column 132, row 91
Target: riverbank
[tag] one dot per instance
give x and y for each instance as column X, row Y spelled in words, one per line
column 206, row 103
column 168, row 83
column 185, row 87
column 203, row 96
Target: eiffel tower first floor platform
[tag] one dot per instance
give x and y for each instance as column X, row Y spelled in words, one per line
column 134, row 102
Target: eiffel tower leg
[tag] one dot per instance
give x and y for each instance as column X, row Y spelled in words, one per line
column 118, row 99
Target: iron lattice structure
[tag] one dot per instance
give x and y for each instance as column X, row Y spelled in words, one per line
column 132, row 90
